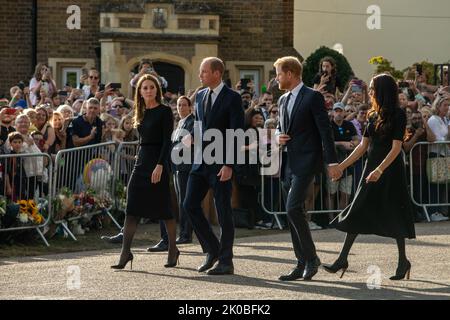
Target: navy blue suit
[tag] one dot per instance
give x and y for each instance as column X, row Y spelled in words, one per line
column 311, row 145
column 226, row 113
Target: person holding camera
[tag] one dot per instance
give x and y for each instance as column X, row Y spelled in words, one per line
column 265, row 102
column 146, row 67
column 327, row 78
column 92, row 87
column 42, row 81
column 246, row 97
column 20, row 97
column 356, row 93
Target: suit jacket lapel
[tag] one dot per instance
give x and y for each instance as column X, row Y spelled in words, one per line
column 200, row 106
column 297, row 104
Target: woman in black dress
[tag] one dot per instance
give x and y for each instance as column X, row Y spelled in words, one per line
column 148, row 189
column 382, row 205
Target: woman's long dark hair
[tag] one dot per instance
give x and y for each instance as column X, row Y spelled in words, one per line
column 384, row 102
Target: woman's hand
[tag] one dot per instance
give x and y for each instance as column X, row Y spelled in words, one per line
column 156, row 175
column 374, row 176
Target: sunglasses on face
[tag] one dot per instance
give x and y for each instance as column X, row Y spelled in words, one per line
column 274, row 112
column 93, row 77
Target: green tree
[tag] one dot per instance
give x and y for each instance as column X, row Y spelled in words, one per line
column 311, row 65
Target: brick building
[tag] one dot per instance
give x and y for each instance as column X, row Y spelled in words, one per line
column 115, row 35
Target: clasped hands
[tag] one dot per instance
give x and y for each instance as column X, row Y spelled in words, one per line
column 335, row 172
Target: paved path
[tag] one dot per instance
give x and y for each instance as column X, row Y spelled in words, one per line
column 258, row 263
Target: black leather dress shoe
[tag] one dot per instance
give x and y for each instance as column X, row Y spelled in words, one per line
column 221, row 269
column 114, row 239
column 209, row 263
column 183, row 240
column 160, row 247
column 311, row 268
column 296, row 273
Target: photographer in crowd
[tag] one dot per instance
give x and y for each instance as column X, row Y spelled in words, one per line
column 327, row 79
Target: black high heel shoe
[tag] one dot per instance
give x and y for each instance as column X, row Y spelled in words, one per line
column 121, row 266
column 402, row 272
column 175, row 262
column 336, row 266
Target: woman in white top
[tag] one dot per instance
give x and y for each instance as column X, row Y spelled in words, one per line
column 92, row 89
column 42, row 80
column 440, row 125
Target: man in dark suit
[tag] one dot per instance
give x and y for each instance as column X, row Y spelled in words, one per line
column 305, row 132
column 220, row 108
column 180, row 171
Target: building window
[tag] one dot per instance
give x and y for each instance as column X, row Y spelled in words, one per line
column 253, row 75
column 71, row 76
column 67, row 70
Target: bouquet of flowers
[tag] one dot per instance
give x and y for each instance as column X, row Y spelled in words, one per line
column 63, row 203
column 29, row 213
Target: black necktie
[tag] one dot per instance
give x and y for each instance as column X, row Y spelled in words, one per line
column 208, row 103
column 286, row 112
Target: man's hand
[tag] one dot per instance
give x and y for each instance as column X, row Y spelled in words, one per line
column 335, row 172
column 93, row 132
column 419, row 132
column 108, row 90
column 187, row 140
column 324, row 79
column 83, row 78
column 322, row 88
column 225, row 173
column 283, row 139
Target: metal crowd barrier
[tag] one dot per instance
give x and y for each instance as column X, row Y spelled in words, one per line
column 124, row 164
column 319, row 200
column 25, row 197
column 430, row 175
column 84, row 176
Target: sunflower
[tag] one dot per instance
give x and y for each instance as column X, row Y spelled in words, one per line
column 23, row 204
column 38, row 219
column 32, row 208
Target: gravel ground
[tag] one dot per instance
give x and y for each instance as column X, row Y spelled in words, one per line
column 258, row 263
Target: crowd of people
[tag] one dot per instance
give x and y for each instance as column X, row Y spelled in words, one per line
column 40, row 117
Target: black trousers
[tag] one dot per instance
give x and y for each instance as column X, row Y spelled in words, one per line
column 295, row 190
column 198, row 185
column 180, row 180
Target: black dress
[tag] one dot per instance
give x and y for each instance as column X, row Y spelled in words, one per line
column 382, row 208
column 146, row 199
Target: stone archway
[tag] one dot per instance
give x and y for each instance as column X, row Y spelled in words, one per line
column 159, row 57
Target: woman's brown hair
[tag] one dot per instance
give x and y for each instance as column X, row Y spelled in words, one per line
column 37, row 71
column 139, row 103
